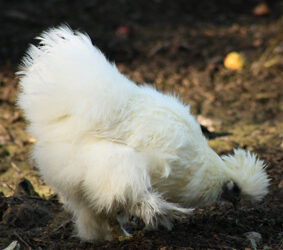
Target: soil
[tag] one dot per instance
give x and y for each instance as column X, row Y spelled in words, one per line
column 179, row 46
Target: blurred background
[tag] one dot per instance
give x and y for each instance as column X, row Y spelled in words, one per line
column 165, row 42
column 224, row 58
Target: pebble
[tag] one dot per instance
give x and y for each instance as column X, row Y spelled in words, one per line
column 254, row 237
column 13, row 246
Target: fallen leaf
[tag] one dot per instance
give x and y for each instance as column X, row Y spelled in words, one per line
column 261, row 9
column 124, row 31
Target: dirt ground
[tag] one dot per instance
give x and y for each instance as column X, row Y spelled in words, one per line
column 179, row 46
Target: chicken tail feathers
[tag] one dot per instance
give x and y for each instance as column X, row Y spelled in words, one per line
column 65, row 75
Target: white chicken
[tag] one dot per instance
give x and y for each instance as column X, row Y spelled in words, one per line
column 113, row 149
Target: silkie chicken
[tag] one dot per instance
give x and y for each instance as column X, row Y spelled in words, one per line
column 114, row 150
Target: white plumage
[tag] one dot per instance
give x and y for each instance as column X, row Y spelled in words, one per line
column 113, row 149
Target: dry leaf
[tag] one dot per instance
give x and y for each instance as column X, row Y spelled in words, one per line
column 261, row 9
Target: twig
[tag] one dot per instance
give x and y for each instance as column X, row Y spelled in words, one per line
column 7, row 131
column 7, row 185
column 15, row 167
column 62, row 225
column 22, row 240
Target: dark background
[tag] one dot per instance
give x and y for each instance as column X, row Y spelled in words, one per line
column 21, row 21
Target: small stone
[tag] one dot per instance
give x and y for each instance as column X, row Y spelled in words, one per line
column 13, row 246
column 254, row 237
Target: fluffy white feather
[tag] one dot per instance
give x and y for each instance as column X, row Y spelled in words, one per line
column 110, row 147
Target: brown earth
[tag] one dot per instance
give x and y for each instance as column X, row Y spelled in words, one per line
column 179, row 46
